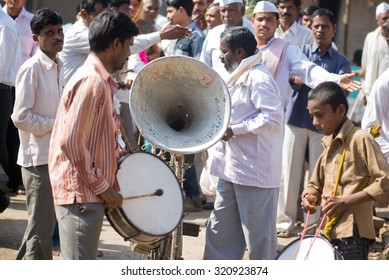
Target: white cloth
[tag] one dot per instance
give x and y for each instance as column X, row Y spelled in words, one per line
column 10, row 54
column 160, row 22
column 297, row 35
column 383, row 7
column 210, row 54
column 377, row 110
column 295, row 63
column 375, row 58
column 27, row 45
column 265, row 7
column 228, row 2
column 39, row 86
column 76, row 46
column 252, row 157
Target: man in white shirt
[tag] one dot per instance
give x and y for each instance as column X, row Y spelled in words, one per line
column 22, row 17
column 10, row 62
column 39, row 86
column 377, row 109
column 248, row 158
column 16, row 10
column 375, row 54
column 289, row 29
column 76, row 48
column 232, row 14
column 284, row 60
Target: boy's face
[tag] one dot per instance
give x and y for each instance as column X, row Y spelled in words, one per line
column 174, row 15
column 50, row 39
column 324, row 118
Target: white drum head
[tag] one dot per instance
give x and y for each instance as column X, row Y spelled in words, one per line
column 320, row 250
column 141, row 174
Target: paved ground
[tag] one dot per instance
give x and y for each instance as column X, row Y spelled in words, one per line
column 13, row 223
column 14, row 219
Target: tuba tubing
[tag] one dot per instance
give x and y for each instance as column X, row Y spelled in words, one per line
column 180, row 104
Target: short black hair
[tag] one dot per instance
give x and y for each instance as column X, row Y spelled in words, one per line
column 321, row 12
column 329, row 93
column 309, row 10
column 357, row 57
column 118, row 3
column 187, row 5
column 297, row 3
column 42, row 18
column 108, row 26
column 89, row 5
column 240, row 37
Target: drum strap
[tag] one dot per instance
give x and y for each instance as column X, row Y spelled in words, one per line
column 331, row 222
column 374, row 131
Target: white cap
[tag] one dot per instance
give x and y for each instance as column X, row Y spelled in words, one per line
column 381, row 8
column 228, row 2
column 265, row 7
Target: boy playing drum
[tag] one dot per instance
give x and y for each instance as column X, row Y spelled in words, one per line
column 350, row 173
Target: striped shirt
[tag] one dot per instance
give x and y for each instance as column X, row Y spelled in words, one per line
column 84, row 153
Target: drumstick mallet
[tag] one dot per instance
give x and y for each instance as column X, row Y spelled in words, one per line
column 158, row 192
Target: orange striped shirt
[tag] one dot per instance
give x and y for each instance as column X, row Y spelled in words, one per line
column 83, row 155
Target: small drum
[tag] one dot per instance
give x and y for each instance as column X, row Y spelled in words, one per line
column 144, row 217
column 321, row 249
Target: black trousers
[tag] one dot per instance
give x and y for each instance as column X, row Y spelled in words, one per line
column 9, row 137
column 353, row 248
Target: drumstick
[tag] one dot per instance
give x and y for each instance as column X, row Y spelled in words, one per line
column 158, row 192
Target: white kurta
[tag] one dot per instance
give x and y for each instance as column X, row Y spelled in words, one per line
column 297, row 35
column 377, row 110
column 375, row 58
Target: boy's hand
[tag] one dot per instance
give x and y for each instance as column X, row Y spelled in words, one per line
column 308, row 203
column 333, row 206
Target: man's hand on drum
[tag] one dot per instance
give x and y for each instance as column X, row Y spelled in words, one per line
column 308, row 203
column 112, row 199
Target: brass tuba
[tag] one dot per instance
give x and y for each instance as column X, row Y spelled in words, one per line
column 180, row 104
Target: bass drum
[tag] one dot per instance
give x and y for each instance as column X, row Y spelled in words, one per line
column 142, row 218
column 321, row 249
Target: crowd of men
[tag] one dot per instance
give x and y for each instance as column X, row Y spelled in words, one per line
column 64, row 98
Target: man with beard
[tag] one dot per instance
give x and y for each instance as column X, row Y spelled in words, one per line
column 84, row 150
column 39, row 86
column 247, row 160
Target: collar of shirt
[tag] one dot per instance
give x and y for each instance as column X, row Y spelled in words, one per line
column 292, row 29
column 23, row 13
column 47, row 61
column 315, row 49
column 341, row 136
column 93, row 59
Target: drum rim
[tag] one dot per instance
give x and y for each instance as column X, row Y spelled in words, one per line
column 125, row 216
column 310, row 236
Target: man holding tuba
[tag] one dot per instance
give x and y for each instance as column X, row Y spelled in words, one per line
column 248, row 159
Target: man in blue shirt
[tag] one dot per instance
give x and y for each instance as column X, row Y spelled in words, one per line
column 180, row 12
column 300, row 134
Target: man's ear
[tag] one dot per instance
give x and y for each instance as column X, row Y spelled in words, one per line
column 116, row 43
column 240, row 53
column 243, row 10
column 342, row 109
column 35, row 37
column 83, row 13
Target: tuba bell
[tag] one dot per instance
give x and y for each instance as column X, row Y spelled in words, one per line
column 180, row 104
